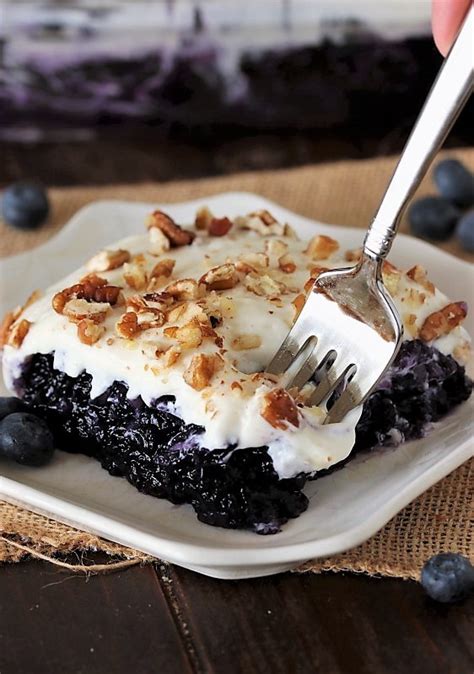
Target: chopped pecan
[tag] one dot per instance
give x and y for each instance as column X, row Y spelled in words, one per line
column 128, row 326
column 151, row 318
column 419, row 275
column 18, row 332
column 265, row 286
column 176, row 235
column 189, row 336
column 222, row 277
column 7, row 323
column 202, row 369
column 89, row 332
column 159, row 243
column 169, row 356
column 321, row 247
column 203, row 218
column 183, row 289
column 441, row 322
column 89, row 291
column 262, row 222
column 289, row 232
column 163, row 269
column 255, row 260
column 286, row 264
column 219, row 226
column 246, row 341
column 275, row 249
column 107, row 260
column 78, row 309
column 279, row 409
column 135, row 276
column 391, row 277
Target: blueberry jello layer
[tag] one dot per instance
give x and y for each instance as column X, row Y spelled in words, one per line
column 151, row 358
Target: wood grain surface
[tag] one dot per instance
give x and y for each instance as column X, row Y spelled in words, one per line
column 168, row 620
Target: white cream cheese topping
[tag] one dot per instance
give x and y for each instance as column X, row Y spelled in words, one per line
column 253, row 318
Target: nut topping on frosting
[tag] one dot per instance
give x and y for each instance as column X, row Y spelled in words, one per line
column 286, row 264
column 443, row 321
column 419, row 275
column 92, row 288
column 219, row 226
column 107, row 260
column 246, row 341
column 203, row 218
column 279, row 409
column 176, row 235
column 202, row 369
column 261, row 222
column 222, row 277
column 135, row 275
column 321, row 247
column 264, row 285
column 78, row 309
column 159, row 243
column 89, row 332
column 18, row 332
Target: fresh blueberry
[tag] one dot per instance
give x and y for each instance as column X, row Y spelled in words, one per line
column 465, row 231
column 433, row 218
column 10, row 405
column 24, row 205
column 26, row 439
column 455, row 182
column 448, row 577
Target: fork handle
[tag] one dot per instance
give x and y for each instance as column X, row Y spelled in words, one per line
column 445, row 101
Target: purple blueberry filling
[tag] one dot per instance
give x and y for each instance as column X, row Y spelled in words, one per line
column 160, row 455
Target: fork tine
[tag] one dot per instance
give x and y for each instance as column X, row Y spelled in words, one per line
column 350, row 398
column 341, row 374
column 294, row 342
column 307, row 368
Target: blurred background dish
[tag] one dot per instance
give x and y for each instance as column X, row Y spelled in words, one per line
column 223, row 85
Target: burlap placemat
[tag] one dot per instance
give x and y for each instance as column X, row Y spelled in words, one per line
column 345, row 193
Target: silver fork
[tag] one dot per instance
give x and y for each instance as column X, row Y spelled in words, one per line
column 349, row 331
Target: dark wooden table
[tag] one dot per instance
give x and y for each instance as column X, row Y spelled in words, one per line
column 165, row 619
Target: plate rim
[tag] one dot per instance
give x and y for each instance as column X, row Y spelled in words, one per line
column 180, row 551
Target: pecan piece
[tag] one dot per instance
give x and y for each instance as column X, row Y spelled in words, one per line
column 222, row 277
column 159, row 243
column 441, row 322
column 321, row 247
column 78, row 309
column 265, row 286
column 183, row 289
column 279, row 409
column 419, row 275
column 246, row 341
column 107, row 260
column 176, row 235
column 286, row 264
column 203, row 218
column 202, row 369
column 18, row 333
column 261, row 221
column 89, row 332
column 128, row 326
column 219, row 226
column 135, row 276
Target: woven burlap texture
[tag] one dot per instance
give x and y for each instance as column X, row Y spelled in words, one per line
column 345, row 193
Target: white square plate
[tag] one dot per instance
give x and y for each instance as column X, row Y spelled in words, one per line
column 345, row 508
